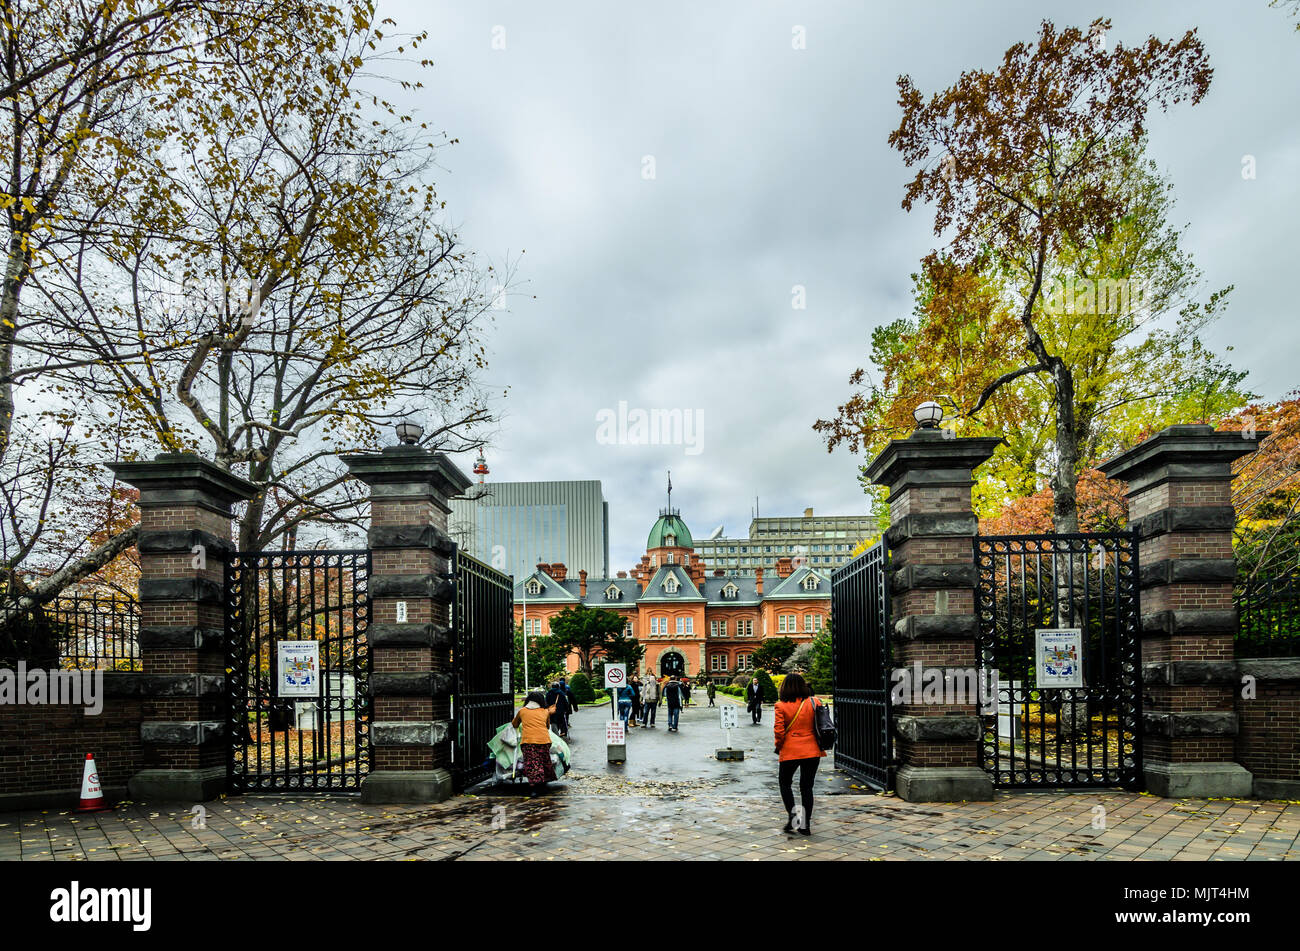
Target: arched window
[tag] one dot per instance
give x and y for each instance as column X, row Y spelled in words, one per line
column 533, row 587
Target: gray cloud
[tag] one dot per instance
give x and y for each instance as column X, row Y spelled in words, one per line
column 773, row 170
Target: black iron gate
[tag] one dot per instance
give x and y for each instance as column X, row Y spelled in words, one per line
column 301, row 743
column 861, row 663
column 483, row 697
column 1087, row 735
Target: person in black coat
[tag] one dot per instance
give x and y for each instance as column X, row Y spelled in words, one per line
column 557, row 697
column 754, row 699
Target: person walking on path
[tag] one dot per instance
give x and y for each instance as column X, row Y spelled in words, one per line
column 712, row 691
column 624, row 703
column 635, row 684
column 649, row 701
column 673, row 695
column 533, row 723
column 754, row 699
column 568, row 692
column 558, row 701
column 797, row 749
column 686, row 692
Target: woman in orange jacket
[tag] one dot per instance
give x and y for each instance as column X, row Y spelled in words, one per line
column 533, row 722
column 797, row 748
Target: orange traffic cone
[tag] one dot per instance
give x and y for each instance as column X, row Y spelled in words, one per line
column 92, row 797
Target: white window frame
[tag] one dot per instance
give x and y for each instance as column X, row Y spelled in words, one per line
column 533, row 587
column 808, row 623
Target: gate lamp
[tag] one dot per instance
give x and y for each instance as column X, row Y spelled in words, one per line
column 408, row 433
column 928, row 415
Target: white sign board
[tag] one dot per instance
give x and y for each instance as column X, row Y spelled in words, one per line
column 505, row 676
column 730, row 714
column 298, row 668
column 1059, row 657
column 615, row 675
column 615, row 734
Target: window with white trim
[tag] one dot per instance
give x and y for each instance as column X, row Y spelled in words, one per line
column 780, row 624
column 534, row 586
column 718, row 663
column 811, row 582
column 671, row 585
column 808, row 623
column 817, row 622
column 744, row 662
column 613, row 593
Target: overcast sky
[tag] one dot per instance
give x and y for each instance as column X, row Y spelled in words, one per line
column 771, row 170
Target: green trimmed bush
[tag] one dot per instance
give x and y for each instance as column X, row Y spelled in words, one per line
column 769, row 688
column 580, row 684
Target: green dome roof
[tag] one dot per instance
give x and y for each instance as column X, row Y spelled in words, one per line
column 669, row 523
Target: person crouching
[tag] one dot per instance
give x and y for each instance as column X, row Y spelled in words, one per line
column 533, row 723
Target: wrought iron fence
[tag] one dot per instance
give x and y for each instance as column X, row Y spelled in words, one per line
column 861, row 659
column 1268, row 616
column 77, row 632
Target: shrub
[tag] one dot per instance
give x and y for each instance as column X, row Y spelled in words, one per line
column 769, row 688
column 740, row 680
column 580, row 684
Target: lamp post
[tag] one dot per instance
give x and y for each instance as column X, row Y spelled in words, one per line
column 409, row 433
column 928, row 415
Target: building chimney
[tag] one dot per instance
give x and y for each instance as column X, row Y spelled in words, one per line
column 807, row 513
column 582, row 582
column 719, row 572
column 556, row 570
column 758, row 581
column 622, row 574
column 784, row 567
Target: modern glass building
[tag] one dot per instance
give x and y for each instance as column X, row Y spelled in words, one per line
column 514, row 525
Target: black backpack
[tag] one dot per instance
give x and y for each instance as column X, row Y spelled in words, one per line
column 824, row 726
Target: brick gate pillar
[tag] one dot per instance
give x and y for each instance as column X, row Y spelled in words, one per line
column 184, row 535
column 933, row 581
column 410, row 574
column 1179, row 500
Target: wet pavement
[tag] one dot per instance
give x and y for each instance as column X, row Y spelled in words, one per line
column 671, row 800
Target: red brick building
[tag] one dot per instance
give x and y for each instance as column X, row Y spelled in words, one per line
column 689, row 623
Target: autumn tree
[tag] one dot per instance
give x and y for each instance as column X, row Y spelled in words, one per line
column 1266, row 490
column 75, row 78
column 1022, row 164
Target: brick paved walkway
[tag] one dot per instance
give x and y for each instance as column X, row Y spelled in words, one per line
column 663, row 822
column 672, row 800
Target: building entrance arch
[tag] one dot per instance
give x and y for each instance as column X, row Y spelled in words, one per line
column 672, row 664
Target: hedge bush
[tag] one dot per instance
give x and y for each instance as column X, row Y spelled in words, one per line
column 580, row 684
column 769, row 688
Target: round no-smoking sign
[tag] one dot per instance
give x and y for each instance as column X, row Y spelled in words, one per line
column 615, row 675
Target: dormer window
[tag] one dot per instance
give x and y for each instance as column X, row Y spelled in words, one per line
column 671, row 585
column 730, row 591
column 612, row 593
column 811, row 582
column 534, row 586
column 670, row 541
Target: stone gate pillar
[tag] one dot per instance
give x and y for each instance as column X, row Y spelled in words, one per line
column 184, row 535
column 1179, row 500
column 411, row 683
column 932, row 524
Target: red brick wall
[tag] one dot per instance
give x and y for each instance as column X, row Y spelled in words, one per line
column 1268, row 737
column 42, row 748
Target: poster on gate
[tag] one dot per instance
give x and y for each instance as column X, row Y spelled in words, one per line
column 1059, row 654
column 298, row 664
